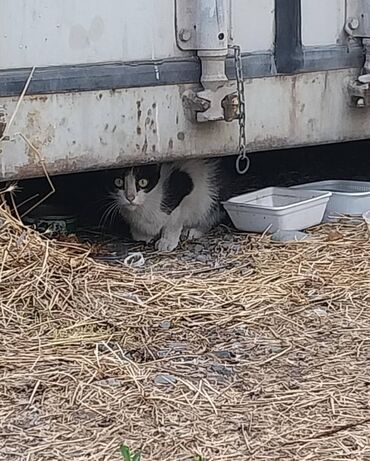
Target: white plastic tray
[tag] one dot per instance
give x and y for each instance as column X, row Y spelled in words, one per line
column 277, row 208
column 348, row 197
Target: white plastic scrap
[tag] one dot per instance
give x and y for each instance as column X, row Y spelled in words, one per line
column 134, row 260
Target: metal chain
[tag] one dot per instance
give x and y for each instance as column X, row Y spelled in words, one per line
column 242, row 162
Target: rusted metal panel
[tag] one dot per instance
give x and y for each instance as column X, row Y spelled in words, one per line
column 91, row 130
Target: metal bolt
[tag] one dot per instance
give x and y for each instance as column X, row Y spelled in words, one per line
column 354, row 24
column 185, row 35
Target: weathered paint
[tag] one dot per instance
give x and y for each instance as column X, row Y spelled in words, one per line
column 84, row 131
column 253, row 24
column 56, row 32
column 322, row 22
column 44, row 32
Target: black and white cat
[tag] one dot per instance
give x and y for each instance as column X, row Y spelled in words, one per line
column 160, row 202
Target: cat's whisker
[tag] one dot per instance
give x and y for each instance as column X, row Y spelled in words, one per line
column 107, row 213
column 105, row 200
column 114, row 213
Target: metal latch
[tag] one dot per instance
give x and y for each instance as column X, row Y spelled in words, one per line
column 359, row 91
column 203, row 26
column 357, row 27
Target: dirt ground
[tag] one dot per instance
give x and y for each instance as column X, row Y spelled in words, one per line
column 235, row 347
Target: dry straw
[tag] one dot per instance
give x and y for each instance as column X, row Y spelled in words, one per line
column 261, row 355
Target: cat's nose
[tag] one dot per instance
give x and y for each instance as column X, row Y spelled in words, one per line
column 130, row 197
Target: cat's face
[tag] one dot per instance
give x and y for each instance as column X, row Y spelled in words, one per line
column 134, row 184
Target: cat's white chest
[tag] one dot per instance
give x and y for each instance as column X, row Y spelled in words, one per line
column 148, row 220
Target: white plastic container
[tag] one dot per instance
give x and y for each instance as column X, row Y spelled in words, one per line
column 348, row 197
column 277, row 208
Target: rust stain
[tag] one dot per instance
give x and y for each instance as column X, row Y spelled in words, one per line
column 2, row 128
column 268, row 142
column 87, row 161
column 293, row 107
column 39, row 136
column 65, row 165
column 139, row 111
column 39, row 98
column 145, row 146
column 103, row 142
column 326, row 82
column 312, row 125
column 33, row 120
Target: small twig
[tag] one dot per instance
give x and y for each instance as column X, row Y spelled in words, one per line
column 33, row 393
column 276, row 356
column 38, row 154
column 19, row 102
column 330, row 432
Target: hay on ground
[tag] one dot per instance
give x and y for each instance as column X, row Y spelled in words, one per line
column 258, row 352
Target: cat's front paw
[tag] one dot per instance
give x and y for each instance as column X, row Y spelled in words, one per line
column 195, row 234
column 166, row 244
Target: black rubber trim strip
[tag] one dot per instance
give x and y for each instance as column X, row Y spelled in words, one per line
column 112, row 76
column 288, row 36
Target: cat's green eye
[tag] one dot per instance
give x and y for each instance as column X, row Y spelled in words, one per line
column 118, row 182
column 143, row 183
